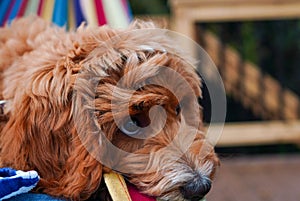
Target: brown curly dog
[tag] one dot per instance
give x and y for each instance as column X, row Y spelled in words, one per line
column 82, row 103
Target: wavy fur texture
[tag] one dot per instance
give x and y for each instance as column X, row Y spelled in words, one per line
column 61, row 88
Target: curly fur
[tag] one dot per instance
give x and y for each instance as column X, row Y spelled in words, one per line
column 46, row 77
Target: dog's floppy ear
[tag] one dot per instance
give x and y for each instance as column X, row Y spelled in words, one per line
column 80, row 177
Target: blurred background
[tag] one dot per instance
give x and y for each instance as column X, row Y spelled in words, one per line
column 256, row 48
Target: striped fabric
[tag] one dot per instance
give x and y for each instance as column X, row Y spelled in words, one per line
column 120, row 191
column 69, row 13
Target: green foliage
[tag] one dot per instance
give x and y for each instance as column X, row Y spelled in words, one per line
column 249, row 42
column 149, row 7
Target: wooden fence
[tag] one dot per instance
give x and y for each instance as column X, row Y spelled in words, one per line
column 243, row 80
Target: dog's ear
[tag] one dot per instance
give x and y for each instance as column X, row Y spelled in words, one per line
column 80, row 178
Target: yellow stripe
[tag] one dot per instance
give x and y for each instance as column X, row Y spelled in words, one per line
column 71, row 15
column 117, row 187
column 47, row 10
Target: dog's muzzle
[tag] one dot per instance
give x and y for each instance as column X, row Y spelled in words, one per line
column 196, row 189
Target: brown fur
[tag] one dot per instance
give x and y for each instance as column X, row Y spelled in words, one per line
column 46, row 77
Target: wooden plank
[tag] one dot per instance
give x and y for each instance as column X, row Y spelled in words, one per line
column 212, row 46
column 291, row 105
column 271, row 96
column 193, row 3
column 188, row 12
column 252, row 81
column 184, row 26
column 258, row 133
column 239, row 13
column 251, row 90
column 231, row 70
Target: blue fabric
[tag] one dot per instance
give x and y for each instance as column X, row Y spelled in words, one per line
column 78, row 13
column 14, row 182
column 34, row 197
column 14, row 11
column 4, row 6
column 60, row 12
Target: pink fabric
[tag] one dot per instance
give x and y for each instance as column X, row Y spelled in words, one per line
column 137, row 196
column 100, row 12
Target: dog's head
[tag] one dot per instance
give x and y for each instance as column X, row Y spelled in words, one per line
column 100, row 99
column 141, row 91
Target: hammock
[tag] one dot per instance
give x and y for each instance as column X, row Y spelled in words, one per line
column 69, row 13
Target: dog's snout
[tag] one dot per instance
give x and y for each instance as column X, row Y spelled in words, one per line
column 196, row 189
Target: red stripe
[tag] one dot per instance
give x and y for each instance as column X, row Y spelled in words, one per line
column 22, row 8
column 100, row 12
column 39, row 12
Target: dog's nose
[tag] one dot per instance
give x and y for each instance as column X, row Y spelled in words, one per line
column 196, row 189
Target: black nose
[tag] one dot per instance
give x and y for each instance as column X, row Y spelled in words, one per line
column 196, row 189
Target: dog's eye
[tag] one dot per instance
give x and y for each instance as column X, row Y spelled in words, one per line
column 130, row 127
column 178, row 109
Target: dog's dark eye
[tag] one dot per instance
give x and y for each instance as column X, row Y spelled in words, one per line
column 130, row 127
column 178, row 109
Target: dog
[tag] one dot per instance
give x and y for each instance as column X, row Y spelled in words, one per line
column 94, row 100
